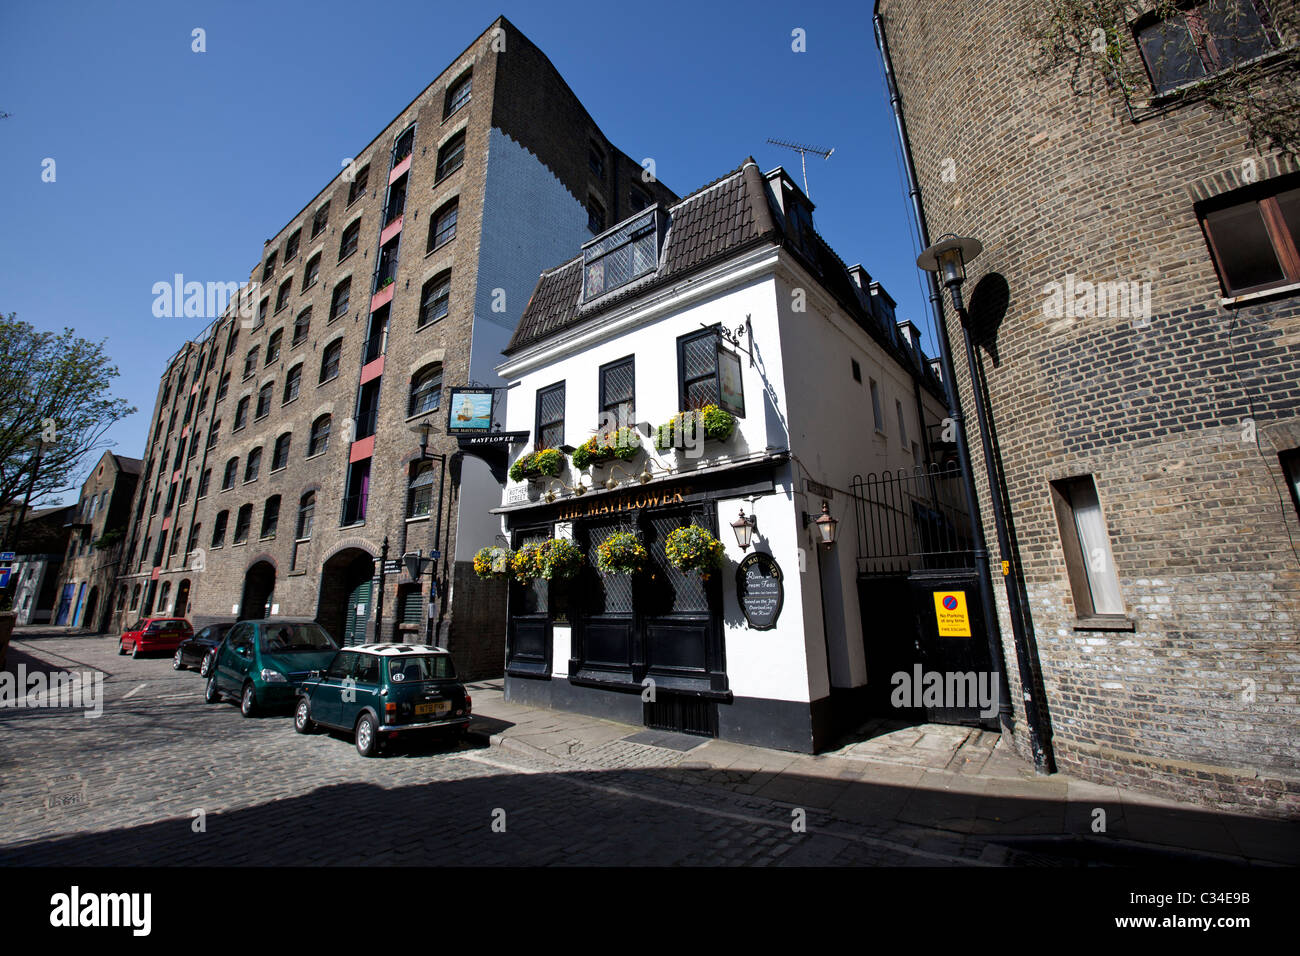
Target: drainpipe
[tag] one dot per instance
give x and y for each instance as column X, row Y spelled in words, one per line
column 980, row 547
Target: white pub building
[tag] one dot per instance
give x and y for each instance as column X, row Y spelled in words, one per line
column 793, row 376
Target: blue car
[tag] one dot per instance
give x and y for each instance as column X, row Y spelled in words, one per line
column 263, row 663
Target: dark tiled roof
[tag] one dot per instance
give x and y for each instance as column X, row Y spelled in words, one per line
column 710, row 224
column 130, row 466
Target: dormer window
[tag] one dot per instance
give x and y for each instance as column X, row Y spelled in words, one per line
column 628, row 253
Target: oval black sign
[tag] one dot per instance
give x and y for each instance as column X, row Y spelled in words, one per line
column 760, row 587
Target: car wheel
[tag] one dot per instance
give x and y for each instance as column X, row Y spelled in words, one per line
column 205, row 667
column 211, row 693
column 248, row 701
column 135, row 651
column 177, row 663
column 302, row 721
column 121, row 648
column 367, row 738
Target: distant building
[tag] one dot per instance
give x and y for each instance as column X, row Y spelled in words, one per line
column 38, row 556
column 1137, row 311
column 282, row 456
column 89, row 591
column 726, row 300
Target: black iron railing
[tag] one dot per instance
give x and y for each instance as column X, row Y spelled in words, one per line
column 911, row 520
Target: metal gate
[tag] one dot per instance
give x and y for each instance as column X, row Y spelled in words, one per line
column 915, row 559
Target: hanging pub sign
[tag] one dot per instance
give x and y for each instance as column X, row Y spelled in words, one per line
column 731, row 389
column 470, row 411
column 760, row 588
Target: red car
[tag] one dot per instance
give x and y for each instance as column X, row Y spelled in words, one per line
column 155, row 634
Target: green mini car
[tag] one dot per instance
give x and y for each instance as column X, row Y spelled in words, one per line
column 264, row 662
column 378, row 691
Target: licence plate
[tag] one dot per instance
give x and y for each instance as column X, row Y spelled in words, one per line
column 438, row 707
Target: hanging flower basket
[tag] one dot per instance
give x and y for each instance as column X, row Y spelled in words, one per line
column 621, row 553
column 717, row 424
column 545, row 462
column 622, row 444
column 693, row 548
column 492, row 562
column 524, row 564
column 558, row 559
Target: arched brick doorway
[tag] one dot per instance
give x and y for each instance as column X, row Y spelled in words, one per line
column 345, row 603
column 259, row 585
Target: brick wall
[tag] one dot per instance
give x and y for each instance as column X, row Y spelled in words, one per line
column 1199, row 699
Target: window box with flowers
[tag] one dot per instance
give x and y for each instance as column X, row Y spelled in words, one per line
column 544, row 462
column 693, row 548
column 622, row 444
column 621, row 553
column 492, row 562
column 718, row 425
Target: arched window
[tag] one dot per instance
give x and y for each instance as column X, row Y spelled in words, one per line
column 253, row 465
column 435, row 299
column 281, row 456
column 242, row 522
column 426, row 390
column 270, row 516
column 320, row 436
column 339, row 301
column 135, row 597
column 163, row 595
column 348, row 244
column 419, row 494
column 451, row 156
column 263, row 401
column 228, row 477
column 442, row 226
column 306, row 515
column 329, row 360
column 292, row 382
column 273, row 345
column 219, row 529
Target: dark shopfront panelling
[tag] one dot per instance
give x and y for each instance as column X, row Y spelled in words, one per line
column 777, row 724
column 616, row 646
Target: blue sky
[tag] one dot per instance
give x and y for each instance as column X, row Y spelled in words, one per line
column 173, row 161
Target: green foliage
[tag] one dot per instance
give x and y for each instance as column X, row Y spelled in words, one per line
column 717, row 423
column 621, row 553
column 108, row 539
column 1094, row 41
column 558, row 559
column 622, row 444
column 693, row 548
column 543, row 461
column 57, row 401
column 492, row 562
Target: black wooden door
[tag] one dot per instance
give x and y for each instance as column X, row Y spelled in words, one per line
column 528, row 639
column 680, row 610
column 606, row 639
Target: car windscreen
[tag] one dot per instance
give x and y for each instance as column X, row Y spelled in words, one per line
column 421, row 667
column 289, row 638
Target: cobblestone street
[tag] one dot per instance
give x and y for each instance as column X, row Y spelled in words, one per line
column 163, row 778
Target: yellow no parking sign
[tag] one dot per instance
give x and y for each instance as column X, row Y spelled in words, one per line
column 951, row 613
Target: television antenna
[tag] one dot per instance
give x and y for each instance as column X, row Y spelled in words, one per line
column 803, row 149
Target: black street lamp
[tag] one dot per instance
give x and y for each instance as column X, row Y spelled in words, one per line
column 947, row 258
column 423, row 429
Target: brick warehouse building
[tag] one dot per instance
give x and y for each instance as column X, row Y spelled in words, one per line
column 89, row 591
column 281, row 453
column 1146, row 453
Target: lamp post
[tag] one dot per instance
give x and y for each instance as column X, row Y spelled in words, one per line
column 947, row 258
column 423, row 429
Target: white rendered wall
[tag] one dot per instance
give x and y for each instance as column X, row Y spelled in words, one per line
column 517, row 186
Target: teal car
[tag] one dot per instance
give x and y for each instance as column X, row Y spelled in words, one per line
column 379, row 691
column 263, row 663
